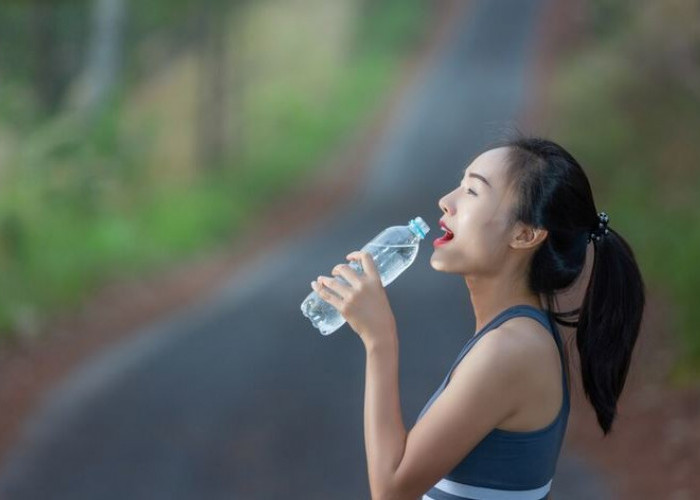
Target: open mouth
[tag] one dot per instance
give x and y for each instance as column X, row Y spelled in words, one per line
column 445, row 237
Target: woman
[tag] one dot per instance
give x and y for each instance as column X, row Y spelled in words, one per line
column 517, row 228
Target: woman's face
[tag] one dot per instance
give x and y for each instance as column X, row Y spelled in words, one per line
column 477, row 213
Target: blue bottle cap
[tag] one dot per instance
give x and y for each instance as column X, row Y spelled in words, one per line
column 419, row 227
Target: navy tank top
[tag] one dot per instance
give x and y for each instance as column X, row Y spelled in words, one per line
column 507, row 465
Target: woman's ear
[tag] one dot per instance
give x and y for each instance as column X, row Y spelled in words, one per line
column 526, row 236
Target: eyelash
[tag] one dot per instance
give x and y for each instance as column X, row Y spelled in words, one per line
column 474, row 193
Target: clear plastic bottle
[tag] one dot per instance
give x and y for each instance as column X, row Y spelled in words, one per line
column 392, row 250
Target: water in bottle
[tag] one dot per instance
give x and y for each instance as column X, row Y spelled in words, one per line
column 392, row 250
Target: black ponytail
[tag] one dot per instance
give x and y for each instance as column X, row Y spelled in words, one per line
column 609, row 323
column 553, row 192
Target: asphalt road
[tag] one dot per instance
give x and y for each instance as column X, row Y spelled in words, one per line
column 238, row 397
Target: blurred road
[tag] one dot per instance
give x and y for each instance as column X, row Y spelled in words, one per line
column 238, row 396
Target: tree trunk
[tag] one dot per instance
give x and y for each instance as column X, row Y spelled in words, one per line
column 211, row 99
column 46, row 72
column 104, row 59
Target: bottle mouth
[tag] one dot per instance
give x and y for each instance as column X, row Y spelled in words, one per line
column 419, row 227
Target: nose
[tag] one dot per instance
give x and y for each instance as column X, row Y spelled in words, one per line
column 442, row 203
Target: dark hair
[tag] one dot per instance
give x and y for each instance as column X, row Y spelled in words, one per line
column 553, row 192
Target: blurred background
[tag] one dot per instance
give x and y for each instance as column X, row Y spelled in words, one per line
column 137, row 133
column 143, row 143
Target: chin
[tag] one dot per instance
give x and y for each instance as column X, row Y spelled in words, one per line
column 442, row 263
column 437, row 263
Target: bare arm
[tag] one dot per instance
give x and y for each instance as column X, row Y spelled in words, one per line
column 385, row 433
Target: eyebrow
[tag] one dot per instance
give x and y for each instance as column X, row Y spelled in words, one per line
column 480, row 177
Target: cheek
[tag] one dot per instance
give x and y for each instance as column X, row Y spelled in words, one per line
column 476, row 226
column 486, row 239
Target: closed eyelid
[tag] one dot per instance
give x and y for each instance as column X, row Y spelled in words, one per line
column 463, row 184
column 468, row 189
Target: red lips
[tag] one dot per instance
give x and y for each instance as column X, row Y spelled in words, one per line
column 444, row 226
column 446, row 237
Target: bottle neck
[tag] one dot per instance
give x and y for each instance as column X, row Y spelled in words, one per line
column 415, row 229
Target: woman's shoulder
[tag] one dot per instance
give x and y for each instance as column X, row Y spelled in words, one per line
column 536, row 393
column 522, row 341
column 526, row 333
column 531, row 346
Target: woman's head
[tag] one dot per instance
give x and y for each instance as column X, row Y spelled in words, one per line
column 487, row 238
column 533, row 220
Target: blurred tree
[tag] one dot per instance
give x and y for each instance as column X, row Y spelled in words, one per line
column 102, row 69
column 45, row 62
column 41, row 45
column 212, row 79
column 49, row 26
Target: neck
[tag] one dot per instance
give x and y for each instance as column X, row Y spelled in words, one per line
column 490, row 296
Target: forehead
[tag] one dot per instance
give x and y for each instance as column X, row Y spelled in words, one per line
column 490, row 164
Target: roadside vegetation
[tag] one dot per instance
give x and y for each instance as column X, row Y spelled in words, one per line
column 627, row 104
column 208, row 112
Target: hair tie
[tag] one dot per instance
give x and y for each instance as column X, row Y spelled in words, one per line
column 598, row 232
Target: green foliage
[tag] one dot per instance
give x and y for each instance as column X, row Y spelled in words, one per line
column 391, row 25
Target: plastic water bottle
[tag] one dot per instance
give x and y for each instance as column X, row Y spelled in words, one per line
column 392, row 250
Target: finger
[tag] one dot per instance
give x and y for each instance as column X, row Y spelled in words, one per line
column 355, row 258
column 354, row 255
column 326, row 294
column 347, row 273
column 368, row 265
column 340, row 289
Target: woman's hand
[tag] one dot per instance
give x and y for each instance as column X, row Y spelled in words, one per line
column 363, row 303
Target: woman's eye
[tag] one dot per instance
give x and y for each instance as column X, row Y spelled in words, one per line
column 470, row 190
